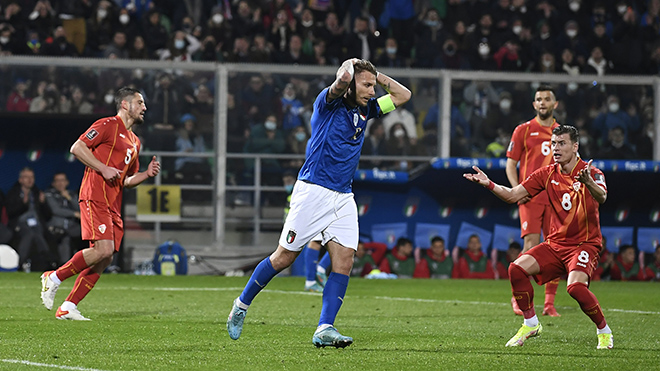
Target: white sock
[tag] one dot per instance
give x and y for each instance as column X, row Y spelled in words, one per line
column 67, row 305
column 53, row 277
column 309, row 283
column 241, row 304
column 323, row 327
column 320, row 269
column 604, row 330
column 532, row 322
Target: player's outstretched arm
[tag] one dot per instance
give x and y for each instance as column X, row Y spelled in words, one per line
column 344, row 77
column 584, row 176
column 85, row 155
column 136, row 179
column 506, row 194
column 399, row 93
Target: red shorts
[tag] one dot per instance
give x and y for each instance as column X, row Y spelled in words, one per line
column 534, row 218
column 97, row 222
column 556, row 260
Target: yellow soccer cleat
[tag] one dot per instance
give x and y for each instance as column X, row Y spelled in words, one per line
column 525, row 332
column 605, row 341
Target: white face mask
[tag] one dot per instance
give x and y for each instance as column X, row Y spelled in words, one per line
column 545, row 35
column 391, row 50
column 109, row 98
column 218, row 18
column 484, row 50
column 179, row 44
column 124, row 18
column 139, row 74
column 614, row 107
column 102, row 13
column 307, row 23
column 4, row 39
column 505, row 104
column 270, row 125
column 621, row 9
column 574, row 6
column 571, row 33
column 399, row 133
column 547, row 63
column 516, row 29
column 572, row 86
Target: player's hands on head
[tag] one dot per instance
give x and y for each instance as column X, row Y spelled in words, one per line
column 480, row 177
column 584, row 175
column 154, row 167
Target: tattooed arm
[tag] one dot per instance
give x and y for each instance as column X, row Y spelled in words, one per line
column 344, row 77
column 399, row 93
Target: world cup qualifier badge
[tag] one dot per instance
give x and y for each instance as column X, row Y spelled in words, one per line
column 291, row 236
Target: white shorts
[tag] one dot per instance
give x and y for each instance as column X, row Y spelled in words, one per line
column 318, row 210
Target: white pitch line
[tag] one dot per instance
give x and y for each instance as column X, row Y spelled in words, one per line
column 28, row 363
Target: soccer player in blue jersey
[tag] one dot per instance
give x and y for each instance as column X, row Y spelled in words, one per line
column 322, row 200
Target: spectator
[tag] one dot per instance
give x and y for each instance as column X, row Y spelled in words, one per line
column 645, row 140
column 281, row 31
column 260, row 50
column 155, row 32
column 404, row 117
column 461, row 37
column 296, row 141
column 42, row 19
column 64, row 225
column 547, row 63
column 320, row 56
column 568, row 63
column 391, row 57
column 127, row 24
column 617, row 148
column 333, row 34
column 627, row 268
column 375, row 143
column 166, row 102
column 402, row 20
column 504, row 118
column 597, row 64
column 573, row 39
column 246, row 22
column 360, row 43
column 80, row 104
column 605, row 262
column 268, row 138
column 28, row 212
column 136, row 8
column 628, row 46
column 9, row 41
column 435, row 263
column 601, row 39
column 497, row 148
column 59, row 46
column 13, row 15
column 203, row 109
column 117, row 48
column 294, row 53
column 363, row 261
column 474, row 263
column 219, row 27
column 33, row 44
column 399, row 260
column 19, row 101
column 481, row 58
column 479, row 97
column 508, row 57
column 100, row 28
column 191, row 169
column 48, row 99
column 504, row 260
column 72, row 14
column 544, row 41
column 139, row 50
column 452, row 57
column 400, row 144
column 308, row 30
column 180, row 48
column 241, row 51
column 257, row 100
column 429, row 38
column 5, row 232
column 483, row 33
column 291, row 109
column 604, row 122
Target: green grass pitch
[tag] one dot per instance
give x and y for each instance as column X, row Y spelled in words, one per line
column 178, row 323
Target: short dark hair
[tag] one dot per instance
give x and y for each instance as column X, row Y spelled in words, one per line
column 363, row 65
column 59, row 173
column 436, row 239
column 626, row 247
column 567, row 129
column 546, row 87
column 123, row 93
column 403, row 241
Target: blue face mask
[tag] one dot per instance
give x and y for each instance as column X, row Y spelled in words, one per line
column 179, row 44
column 300, row 136
column 289, row 188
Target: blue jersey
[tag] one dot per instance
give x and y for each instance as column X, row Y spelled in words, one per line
column 333, row 151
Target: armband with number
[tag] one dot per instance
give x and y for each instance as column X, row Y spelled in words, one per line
column 386, row 104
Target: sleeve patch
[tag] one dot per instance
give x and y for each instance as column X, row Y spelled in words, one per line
column 92, row 134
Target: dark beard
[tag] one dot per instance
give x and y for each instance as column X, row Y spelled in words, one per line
column 545, row 116
column 138, row 120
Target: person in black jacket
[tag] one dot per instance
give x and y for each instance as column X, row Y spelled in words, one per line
column 65, row 223
column 5, row 232
column 28, row 212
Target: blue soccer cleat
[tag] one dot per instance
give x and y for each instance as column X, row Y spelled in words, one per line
column 321, row 278
column 235, row 321
column 331, row 337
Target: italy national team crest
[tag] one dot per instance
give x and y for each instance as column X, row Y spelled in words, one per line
column 363, row 205
column 291, row 236
column 102, row 228
column 356, row 119
column 576, row 186
column 412, row 204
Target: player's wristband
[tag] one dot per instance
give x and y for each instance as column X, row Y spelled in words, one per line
column 386, row 104
column 490, row 185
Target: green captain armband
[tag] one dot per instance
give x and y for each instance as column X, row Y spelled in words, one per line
column 386, row 104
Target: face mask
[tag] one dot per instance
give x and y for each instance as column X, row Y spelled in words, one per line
column 124, row 18
column 545, row 35
column 289, row 188
column 571, row 33
column 399, row 133
column 484, row 50
column 574, row 6
column 300, row 136
column 572, row 86
column 270, row 125
column 516, row 29
column 139, row 74
column 547, row 64
column 102, row 13
column 584, row 141
column 109, row 98
column 179, row 44
column 4, row 39
column 391, row 50
column 450, row 50
column 307, row 23
column 505, row 104
column 621, row 9
column 431, row 23
column 218, row 18
column 614, row 107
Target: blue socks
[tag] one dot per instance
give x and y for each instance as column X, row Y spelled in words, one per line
column 333, row 297
column 262, row 274
column 311, row 258
column 325, row 261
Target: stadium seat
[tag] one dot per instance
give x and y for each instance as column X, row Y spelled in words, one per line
column 467, row 229
column 424, row 232
column 388, row 233
column 617, row 237
column 503, row 235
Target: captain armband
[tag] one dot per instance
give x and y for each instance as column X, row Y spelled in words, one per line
column 386, row 104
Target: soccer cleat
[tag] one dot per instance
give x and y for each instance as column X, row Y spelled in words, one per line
column 72, row 315
column 321, row 278
column 525, row 332
column 516, row 308
column 331, row 337
column 605, row 341
column 549, row 310
column 235, row 321
column 48, row 290
column 314, row 288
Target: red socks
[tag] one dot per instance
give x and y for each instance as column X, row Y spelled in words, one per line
column 551, row 291
column 84, row 284
column 522, row 290
column 74, row 266
column 588, row 303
